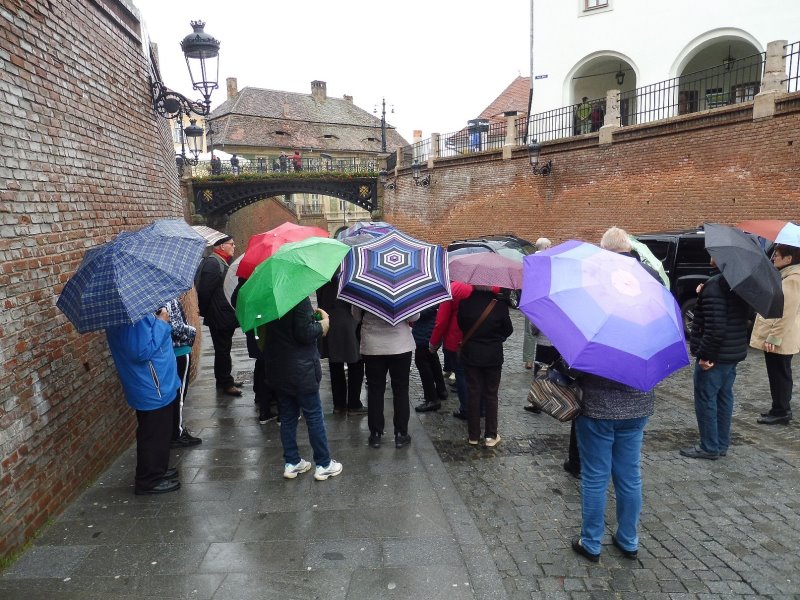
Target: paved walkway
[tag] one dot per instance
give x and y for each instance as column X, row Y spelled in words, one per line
column 438, row 519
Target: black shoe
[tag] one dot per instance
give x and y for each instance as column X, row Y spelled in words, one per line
column 459, row 415
column 374, row 440
column 232, row 390
column 171, row 473
column 532, row 409
column 632, row 554
column 164, row 486
column 698, row 452
column 357, row 410
column 771, row 414
column 572, row 469
column 339, row 410
column 578, row 547
column 401, row 440
column 428, row 406
column 263, row 419
column 775, row 420
column 185, row 440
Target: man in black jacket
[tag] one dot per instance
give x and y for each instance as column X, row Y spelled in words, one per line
column 293, row 370
column 218, row 312
column 719, row 341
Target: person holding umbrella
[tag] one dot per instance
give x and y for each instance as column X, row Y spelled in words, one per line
column 780, row 338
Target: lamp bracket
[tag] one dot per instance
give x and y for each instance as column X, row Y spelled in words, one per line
column 424, row 181
column 172, row 105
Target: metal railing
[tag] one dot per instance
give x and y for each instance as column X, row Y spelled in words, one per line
column 732, row 83
column 473, row 139
column 271, row 165
column 576, row 119
column 792, row 52
column 420, row 153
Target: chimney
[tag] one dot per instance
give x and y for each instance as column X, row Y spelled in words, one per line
column 417, row 135
column 232, row 87
column 319, row 91
column 348, row 98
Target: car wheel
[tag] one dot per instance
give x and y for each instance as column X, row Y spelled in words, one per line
column 687, row 313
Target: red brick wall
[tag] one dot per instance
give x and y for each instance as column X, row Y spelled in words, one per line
column 83, row 157
column 719, row 166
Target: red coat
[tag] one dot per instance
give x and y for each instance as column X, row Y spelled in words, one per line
column 446, row 329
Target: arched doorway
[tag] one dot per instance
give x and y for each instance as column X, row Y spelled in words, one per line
column 588, row 83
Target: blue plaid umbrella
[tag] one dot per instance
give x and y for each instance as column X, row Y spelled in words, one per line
column 395, row 276
column 134, row 274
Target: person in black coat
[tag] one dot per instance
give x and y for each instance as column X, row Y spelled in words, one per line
column 341, row 346
column 427, row 362
column 719, row 340
column 482, row 356
column 218, row 313
column 292, row 366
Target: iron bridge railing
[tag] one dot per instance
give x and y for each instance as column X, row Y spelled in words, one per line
column 792, row 53
column 264, row 165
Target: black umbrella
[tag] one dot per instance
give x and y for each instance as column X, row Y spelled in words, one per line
column 746, row 268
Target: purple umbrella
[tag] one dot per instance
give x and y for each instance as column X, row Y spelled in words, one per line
column 604, row 313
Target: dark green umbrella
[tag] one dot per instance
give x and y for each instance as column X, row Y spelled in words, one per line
column 746, row 268
column 292, row 273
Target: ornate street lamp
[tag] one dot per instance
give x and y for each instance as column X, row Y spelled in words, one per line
column 620, row 76
column 416, row 175
column 534, row 150
column 384, row 179
column 383, row 122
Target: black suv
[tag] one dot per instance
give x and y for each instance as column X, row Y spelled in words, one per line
column 686, row 262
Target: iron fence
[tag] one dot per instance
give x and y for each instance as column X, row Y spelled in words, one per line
column 730, row 83
column 265, row 165
column 584, row 117
column 488, row 135
column 793, row 54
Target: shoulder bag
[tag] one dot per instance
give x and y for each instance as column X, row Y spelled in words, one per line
column 554, row 393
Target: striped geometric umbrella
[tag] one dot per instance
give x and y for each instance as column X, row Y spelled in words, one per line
column 131, row 276
column 373, row 228
column 395, row 276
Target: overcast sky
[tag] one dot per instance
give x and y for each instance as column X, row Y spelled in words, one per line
column 437, row 62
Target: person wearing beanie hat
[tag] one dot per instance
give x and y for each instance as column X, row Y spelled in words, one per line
column 219, row 316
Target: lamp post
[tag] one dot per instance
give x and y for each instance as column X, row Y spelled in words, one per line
column 383, row 122
column 534, row 150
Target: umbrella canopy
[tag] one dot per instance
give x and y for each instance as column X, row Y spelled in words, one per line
column 780, row 232
column 211, row 236
column 604, row 313
column 649, row 259
column 373, row 228
column 746, row 268
column 231, row 280
column 487, row 268
column 263, row 245
column 395, row 276
column 294, row 272
column 134, row 274
column 512, row 253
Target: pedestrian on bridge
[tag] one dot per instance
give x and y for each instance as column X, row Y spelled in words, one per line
column 297, row 161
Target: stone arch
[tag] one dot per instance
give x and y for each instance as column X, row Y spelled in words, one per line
column 603, row 65
column 722, row 36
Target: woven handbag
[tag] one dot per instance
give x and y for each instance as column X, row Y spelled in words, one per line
column 554, row 393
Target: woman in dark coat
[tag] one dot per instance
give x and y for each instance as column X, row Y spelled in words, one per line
column 482, row 356
column 340, row 347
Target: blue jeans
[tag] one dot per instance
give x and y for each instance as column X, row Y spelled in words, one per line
column 312, row 411
column 461, row 380
column 610, row 449
column 713, row 405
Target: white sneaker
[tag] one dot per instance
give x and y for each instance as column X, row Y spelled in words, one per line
column 491, row 442
column 291, row 471
column 332, row 470
column 452, row 378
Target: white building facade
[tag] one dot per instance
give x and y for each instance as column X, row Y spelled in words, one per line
column 582, row 48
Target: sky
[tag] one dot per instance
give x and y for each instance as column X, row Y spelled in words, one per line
column 437, row 63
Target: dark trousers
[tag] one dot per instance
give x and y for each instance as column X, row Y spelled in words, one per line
column 430, row 374
column 483, row 383
column 398, row 367
column 265, row 395
column 779, row 373
column 222, row 340
column 183, row 363
column 346, row 388
column 574, row 456
column 153, row 434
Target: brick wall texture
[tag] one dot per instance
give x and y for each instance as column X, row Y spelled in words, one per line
column 82, row 157
column 719, row 166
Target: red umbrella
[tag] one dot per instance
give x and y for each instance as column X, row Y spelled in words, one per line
column 263, row 245
column 487, row 268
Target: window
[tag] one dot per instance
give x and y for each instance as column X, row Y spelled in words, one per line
column 590, row 4
column 744, row 92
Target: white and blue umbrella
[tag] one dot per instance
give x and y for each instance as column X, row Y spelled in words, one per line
column 133, row 275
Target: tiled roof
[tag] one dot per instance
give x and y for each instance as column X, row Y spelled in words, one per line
column 254, row 116
column 513, row 98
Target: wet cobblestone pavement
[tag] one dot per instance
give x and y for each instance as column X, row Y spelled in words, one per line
column 709, row 529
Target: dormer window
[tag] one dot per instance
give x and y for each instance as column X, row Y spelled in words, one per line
column 330, row 136
column 281, row 133
column 372, row 139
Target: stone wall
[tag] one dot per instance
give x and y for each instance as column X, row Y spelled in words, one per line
column 83, row 157
column 719, row 166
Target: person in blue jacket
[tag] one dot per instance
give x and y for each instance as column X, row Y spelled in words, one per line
column 145, row 364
